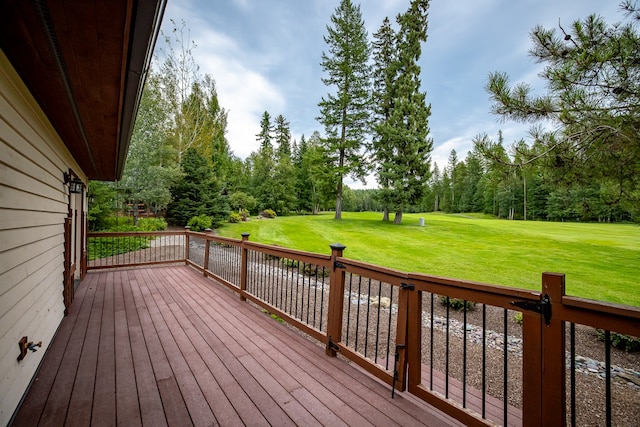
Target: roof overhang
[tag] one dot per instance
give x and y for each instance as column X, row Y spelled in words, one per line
column 84, row 62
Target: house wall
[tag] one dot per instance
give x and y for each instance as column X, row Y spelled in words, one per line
column 34, row 202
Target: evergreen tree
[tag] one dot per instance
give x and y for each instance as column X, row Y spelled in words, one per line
column 263, row 165
column 345, row 112
column 197, row 192
column 592, row 72
column 452, row 165
column 283, row 188
column 303, row 184
column 471, row 197
column 436, row 187
column 406, row 159
column 384, row 71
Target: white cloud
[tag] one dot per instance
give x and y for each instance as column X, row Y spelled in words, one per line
column 246, row 95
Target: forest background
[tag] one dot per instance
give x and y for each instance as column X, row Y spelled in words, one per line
column 587, row 168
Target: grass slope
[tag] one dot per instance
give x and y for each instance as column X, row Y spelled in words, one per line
column 600, row 260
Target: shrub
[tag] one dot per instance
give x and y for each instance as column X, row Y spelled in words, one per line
column 312, row 270
column 518, row 317
column 292, row 263
column 200, row 223
column 117, row 223
column 456, row 303
column 244, row 214
column 152, row 224
column 235, row 217
column 268, row 213
column 621, row 341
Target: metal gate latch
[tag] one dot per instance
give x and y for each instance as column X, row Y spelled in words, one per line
column 542, row 307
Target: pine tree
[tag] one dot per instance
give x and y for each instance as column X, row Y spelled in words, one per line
column 345, row 113
column 284, row 180
column 406, row 161
column 197, row 192
column 303, row 184
column 263, row 165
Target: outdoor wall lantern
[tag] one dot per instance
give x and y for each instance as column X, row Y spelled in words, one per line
column 75, row 184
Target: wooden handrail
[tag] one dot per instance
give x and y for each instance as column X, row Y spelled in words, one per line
column 543, row 339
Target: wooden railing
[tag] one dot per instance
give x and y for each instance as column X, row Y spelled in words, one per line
column 477, row 364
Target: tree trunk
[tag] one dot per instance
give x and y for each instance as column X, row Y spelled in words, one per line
column 385, row 214
column 398, row 217
column 339, row 202
column 339, row 195
column 135, row 213
column 436, row 204
column 524, row 179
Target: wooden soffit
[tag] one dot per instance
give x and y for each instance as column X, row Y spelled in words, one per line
column 84, row 63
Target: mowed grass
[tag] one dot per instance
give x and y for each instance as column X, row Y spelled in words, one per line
column 600, row 261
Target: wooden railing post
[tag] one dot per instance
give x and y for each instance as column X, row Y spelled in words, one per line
column 205, row 263
column 408, row 299
column 553, row 355
column 186, row 243
column 244, row 267
column 336, row 300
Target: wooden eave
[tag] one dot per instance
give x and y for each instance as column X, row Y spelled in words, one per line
column 84, row 62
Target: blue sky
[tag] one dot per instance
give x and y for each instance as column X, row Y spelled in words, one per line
column 265, row 55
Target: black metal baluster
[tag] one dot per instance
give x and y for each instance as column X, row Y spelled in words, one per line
column 378, row 320
column 282, row 285
column 464, row 356
column 309, row 294
column 607, row 365
column 281, row 282
column 505, row 392
column 322, row 299
column 263, row 277
column 315, row 298
column 386, row 366
column 431, row 349
column 297, row 316
column 484, row 360
column 302, row 298
column 572, row 337
column 272, row 286
column 288, row 293
column 366, row 329
column 358, row 312
column 349, row 307
column 446, row 357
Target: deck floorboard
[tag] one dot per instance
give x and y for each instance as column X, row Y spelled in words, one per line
column 167, row 346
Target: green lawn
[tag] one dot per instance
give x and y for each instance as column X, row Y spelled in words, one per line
column 601, row 261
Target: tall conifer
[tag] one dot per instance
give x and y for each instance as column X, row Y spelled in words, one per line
column 345, row 112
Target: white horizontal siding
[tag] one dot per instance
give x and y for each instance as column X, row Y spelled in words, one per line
column 33, row 206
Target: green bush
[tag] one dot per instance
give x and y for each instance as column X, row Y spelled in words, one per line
column 623, row 342
column 152, row 224
column 200, row 223
column 456, row 303
column 292, row 263
column 118, row 223
column 268, row 213
column 235, row 217
column 518, row 317
column 312, row 270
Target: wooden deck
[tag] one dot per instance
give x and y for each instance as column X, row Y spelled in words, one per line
column 165, row 346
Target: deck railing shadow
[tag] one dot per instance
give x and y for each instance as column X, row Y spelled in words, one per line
column 452, row 343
